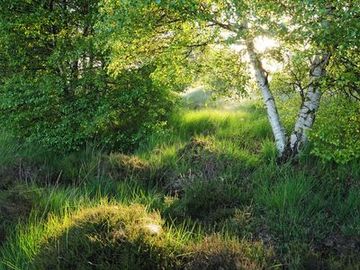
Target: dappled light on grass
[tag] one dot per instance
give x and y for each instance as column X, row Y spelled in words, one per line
column 117, row 236
column 153, row 228
column 206, row 193
column 134, row 135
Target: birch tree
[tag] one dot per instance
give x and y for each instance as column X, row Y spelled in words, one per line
column 315, row 26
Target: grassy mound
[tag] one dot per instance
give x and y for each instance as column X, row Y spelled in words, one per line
column 118, row 236
column 120, row 167
column 208, row 202
column 108, row 237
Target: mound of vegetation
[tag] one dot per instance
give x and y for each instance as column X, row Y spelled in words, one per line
column 208, row 201
column 120, row 167
column 118, row 236
column 108, row 237
column 206, row 164
column 215, row 253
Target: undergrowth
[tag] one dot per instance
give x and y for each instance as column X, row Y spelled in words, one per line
column 210, row 187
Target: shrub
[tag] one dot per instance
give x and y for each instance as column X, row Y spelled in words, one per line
column 56, row 91
column 336, row 134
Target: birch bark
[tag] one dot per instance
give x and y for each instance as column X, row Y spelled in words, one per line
column 272, row 112
column 310, row 105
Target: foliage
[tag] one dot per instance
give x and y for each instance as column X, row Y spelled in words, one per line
column 181, row 33
column 125, row 59
column 336, row 136
column 164, row 38
column 55, row 90
column 223, row 72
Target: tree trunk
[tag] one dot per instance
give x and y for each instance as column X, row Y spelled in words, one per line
column 273, row 115
column 310, row 105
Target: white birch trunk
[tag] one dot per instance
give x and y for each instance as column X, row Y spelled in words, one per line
column 310, row 104
column 262, row 82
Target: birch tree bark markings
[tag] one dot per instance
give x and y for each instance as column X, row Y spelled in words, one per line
column 310, row 104
column 272, row 112
column 307, row 112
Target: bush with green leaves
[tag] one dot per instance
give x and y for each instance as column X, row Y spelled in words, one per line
column 336, row 136
column 55, row 90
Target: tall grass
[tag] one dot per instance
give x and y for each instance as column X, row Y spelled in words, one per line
column 210, row 172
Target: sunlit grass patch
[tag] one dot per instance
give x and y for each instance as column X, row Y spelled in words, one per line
column 58, row 209
column 112, row 235
column 106, row 236
column 78, row 239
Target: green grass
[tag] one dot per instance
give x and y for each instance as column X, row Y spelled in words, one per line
column 213, row 182
column 66, row 229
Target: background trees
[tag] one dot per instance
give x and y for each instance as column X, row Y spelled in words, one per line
column 55, row 90
column 77, row 71
column 315, row 32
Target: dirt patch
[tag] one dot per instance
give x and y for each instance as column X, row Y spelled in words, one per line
column 340, row 244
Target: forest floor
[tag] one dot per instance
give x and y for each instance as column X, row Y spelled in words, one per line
column 205, row 194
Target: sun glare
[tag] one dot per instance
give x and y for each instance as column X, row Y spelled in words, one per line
column 262, row 43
